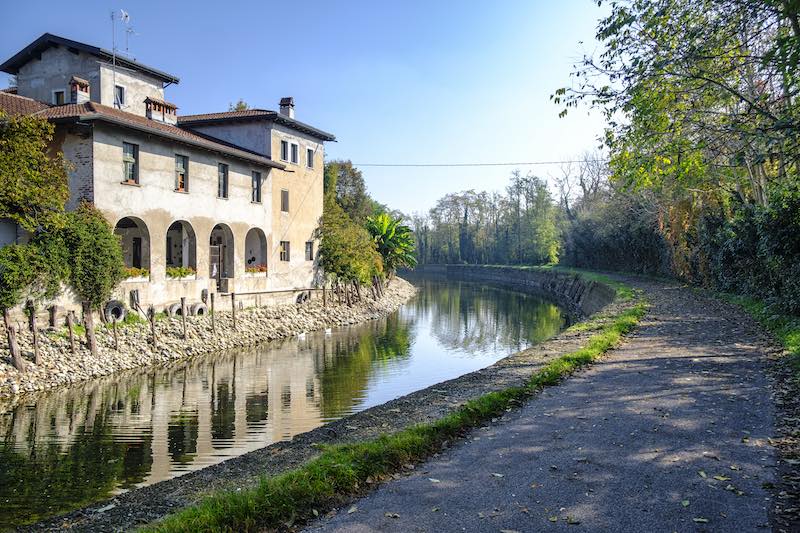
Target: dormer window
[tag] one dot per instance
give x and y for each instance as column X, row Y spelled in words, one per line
column 119, row 96
column 59, row 97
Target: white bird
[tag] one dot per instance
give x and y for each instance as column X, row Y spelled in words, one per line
column 301, row 336
column 328, row 331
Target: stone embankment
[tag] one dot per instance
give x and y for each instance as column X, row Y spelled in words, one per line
column 58, row 366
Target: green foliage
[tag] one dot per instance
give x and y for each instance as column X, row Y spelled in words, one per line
column 18, row 270
column 240, row 105
column 33, row 182
column 340, row 471
column 95, row 255
column 394, row 240
column 519, row 227
column 346, row 249
column 134, row 272
column 347, row 183
column 180, row 272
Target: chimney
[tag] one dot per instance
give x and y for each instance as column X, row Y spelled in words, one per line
column 78, row 90
column 287, row 106
column 161, row 111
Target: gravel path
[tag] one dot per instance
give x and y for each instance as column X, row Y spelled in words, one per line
column 669, row 433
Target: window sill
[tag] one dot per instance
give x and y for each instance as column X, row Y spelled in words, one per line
column 254, row 202
column 131, row 183
column 181, row 191
column 223, row 198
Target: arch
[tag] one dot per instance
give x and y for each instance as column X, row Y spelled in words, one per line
column 255, row 251
column 181, row 246
column 135, row 240
column 221, row 256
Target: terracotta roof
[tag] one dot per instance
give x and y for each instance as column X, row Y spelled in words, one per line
column 253, row 114
column 160, row 101
column 19, row 105
column 48, row 40
column 14, row 104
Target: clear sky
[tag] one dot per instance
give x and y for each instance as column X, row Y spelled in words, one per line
column 396, row 82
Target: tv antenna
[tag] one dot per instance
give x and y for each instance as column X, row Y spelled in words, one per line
column 126, row 19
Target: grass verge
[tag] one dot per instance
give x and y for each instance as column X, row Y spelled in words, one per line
column 786, row 328
column 343, row 471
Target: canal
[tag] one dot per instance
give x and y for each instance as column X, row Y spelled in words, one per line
column 71, row 447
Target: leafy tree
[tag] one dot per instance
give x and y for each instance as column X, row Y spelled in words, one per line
column 240, row 105
column 96, row 261
column 33, row 181
column 346, row 249
column 347, row 182
column 394, row 240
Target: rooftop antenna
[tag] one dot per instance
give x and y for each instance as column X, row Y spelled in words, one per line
column 125, row 17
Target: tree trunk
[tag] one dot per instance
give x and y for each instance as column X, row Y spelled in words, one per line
column 71, row 334
column 13, row 347
column 88, row 322
column 32, row 326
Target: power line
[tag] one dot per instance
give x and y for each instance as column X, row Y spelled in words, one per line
column 517, row 164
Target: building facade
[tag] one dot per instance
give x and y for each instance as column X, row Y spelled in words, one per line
column 220, row 202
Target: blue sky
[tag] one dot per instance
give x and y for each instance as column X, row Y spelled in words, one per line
column 396, row 82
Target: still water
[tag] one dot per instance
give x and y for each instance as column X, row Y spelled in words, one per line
column 71, row 447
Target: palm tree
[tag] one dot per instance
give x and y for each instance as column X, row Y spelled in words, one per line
column 395, row 242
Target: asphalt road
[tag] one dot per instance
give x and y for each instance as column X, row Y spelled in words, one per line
column 668, row 433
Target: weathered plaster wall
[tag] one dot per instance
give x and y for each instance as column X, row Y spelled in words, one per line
column 251, row 135
column 138, row 86
column 77, row 146
column 305, row 186
column 40, row 77
column 155, row 202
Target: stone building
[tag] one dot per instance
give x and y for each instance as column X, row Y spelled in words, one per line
column 218, row 202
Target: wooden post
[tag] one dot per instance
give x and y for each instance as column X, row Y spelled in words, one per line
column 53, row 310
column 324, row 297
column 347, row 295
column 114, row 328
column 213, row 324
column 88, row 322
column 357, row 285
column 13, row 347
column 70, row 326
column 32, row 325
column 183, row 315
column 233, row 309
column 151, row 315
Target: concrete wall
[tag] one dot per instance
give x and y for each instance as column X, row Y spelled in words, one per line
column 580, row 296
column 137, row 86
column 157, row 205
column 40, row 77
column 252, row 135
column 305, row 186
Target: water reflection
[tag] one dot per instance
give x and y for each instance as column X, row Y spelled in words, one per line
column 74, row 446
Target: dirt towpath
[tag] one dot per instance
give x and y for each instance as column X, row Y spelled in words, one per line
column 668, row 433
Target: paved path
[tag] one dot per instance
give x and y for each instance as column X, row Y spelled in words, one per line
column 668, row 433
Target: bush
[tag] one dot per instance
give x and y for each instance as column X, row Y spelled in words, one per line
column 133, row 272
column 180, row 272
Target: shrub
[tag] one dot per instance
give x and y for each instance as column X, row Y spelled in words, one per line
column 180, row 272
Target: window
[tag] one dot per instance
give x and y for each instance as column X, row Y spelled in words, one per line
column 256, row 193
column 119, row 95
column 309, row 158
column 295, row 154
column 130, row 163
column 222, row 180
column 181, row 173
column 310, row 251
column 58, row 97
column 284, row 151
column 284, row 200
column 284, row 250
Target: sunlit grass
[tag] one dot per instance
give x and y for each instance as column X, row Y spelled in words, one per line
column 343, row 471
column 786, row 328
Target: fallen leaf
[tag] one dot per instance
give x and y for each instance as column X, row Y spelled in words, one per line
column 352, row 510
column 571, row 520
column 433, row 480
column 391, row 515
column 703, row 474
column 685, row 503
column 316, row 513
column 700, row 520
column 495, row 474
column 722, row 478
column 553, row 519
column 435, row 510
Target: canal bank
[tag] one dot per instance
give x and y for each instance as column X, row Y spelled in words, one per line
column 425, row 405
column 131, row 345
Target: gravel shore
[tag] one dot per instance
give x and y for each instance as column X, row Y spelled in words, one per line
column 59, row 367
